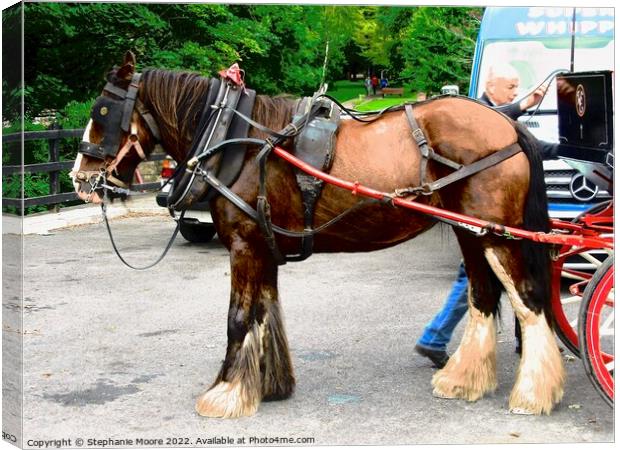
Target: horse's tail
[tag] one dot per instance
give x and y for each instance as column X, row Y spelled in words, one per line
column 536, row 218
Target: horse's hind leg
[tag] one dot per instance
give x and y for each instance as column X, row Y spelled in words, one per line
column 540, row 377
column 471, row 370
column 257, row 363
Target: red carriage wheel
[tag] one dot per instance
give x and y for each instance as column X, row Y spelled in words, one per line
column 596, row 330
column 575, row 267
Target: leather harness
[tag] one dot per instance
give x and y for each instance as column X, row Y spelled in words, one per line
column 190, row 188
column 460, row 171
column 310, row 186
column 114, row 115
column 315, row 145
column 314, row 126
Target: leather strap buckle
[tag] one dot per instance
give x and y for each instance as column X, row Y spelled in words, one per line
column 418, row 135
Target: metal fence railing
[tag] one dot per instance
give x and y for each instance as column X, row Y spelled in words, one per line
column 54, row 167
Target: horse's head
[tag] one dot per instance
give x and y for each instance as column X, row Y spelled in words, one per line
column 120, row 134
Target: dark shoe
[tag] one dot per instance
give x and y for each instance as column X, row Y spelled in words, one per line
column 439, row 357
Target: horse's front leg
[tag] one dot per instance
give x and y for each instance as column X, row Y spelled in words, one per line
column 257, row 364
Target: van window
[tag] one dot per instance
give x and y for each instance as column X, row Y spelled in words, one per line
column 536, row 60
column 537, row 41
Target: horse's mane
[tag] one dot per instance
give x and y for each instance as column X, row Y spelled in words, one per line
column 272, row 112
column 177, row 99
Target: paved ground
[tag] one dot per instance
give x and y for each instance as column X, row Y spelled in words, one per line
column 117, row 354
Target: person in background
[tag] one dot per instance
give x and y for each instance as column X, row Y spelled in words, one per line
column 374, row 81
column 368, row 85
column 500, row 91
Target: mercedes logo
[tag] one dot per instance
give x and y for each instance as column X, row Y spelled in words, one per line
column 582, row 189
column 580, row 101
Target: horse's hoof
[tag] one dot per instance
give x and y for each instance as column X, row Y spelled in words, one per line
column 522, row 412
column 533, row 405
column 227, row 401
column 451, row 383
column 439, row 394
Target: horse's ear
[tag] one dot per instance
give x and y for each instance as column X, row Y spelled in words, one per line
column 125, row 72
column 129, row 58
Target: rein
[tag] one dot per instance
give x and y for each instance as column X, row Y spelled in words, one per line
column 112, row 113
column 112, row 241
column 100, row 181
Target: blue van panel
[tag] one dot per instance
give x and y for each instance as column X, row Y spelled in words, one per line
column 506, row 23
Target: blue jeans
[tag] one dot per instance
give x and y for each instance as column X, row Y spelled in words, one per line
column 438, row 332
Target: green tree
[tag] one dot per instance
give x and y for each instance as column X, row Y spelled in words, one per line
column 380, row 35
column 438, row 46
column 70, row 47
column 205, row 38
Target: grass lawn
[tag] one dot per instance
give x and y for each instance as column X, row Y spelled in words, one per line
column 381, row 103
column 344, row 90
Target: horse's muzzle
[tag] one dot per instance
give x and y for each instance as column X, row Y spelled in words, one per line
column 88, row 186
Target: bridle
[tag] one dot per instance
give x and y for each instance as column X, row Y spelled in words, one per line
column 114, row 116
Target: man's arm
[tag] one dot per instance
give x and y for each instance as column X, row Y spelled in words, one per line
column 515, row 110
column 512, row 110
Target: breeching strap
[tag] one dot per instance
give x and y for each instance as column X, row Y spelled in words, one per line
column 461, row 171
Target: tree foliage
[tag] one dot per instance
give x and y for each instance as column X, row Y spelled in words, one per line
column 421, row 47
column 380, row 34
column 438, row 46
column 69, row 47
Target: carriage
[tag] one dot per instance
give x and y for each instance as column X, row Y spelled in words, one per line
column 279, row 196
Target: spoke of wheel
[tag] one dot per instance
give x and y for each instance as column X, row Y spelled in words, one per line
column 588, row 257
column 610, row 366
column 569, row 300
column 607, row 327
column 573, row 276
column 610, row 299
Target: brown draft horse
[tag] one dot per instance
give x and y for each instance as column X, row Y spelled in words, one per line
column 382, row 155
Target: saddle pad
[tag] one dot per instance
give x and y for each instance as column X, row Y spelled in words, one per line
column 315, row 146
column 315, row 142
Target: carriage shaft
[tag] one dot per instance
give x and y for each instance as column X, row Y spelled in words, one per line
column 460, row 219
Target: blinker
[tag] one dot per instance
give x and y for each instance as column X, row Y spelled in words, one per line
column 107, row 113
column 113, row 117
